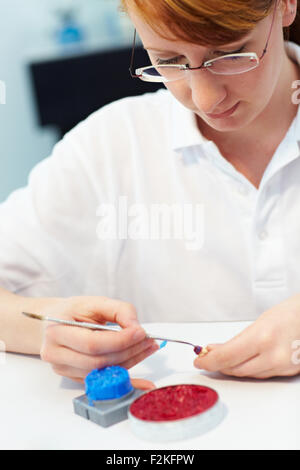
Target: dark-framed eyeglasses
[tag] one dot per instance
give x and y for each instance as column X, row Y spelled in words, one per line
column 229, row 64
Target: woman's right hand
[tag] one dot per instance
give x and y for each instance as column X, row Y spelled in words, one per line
column 73, row 352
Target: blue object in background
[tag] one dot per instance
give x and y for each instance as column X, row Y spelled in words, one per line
column 109, row 383
column 70, row 31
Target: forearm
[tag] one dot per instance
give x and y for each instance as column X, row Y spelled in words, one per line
column 17, row 332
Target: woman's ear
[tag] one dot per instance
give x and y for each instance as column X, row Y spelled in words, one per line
column 288, row 11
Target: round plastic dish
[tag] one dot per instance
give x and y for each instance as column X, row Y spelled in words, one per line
column 175, row 412
column 109, row 383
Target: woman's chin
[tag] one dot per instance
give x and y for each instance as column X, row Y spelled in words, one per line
column 220, row 125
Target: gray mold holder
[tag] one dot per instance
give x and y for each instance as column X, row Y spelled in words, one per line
column 105, row 413
column 109, row 394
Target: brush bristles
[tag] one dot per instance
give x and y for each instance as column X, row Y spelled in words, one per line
column 33, row 315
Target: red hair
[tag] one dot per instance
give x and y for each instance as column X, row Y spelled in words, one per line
column 201, row 21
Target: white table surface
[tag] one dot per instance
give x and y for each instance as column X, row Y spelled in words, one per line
column 36, row 409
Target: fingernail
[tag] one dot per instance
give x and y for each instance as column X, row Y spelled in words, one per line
column 139, row 335
column 203, row 352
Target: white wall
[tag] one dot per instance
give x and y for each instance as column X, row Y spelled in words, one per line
column 27, row 27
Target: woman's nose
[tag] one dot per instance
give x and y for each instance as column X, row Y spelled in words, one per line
column 207, row 91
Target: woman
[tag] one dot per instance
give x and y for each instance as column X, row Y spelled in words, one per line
column 223, row 140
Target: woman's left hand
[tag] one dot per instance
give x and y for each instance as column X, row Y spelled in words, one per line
column 269, row 347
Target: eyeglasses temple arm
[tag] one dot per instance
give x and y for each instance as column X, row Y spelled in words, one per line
column 273, row 19
column 133, row 75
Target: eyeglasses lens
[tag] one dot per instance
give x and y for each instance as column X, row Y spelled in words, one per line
column 224, row 66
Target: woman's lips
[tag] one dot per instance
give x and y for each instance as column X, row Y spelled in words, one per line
column 225, row 114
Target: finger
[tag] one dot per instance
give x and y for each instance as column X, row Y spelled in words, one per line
column 267, row 374
column 140, row 357
column 250, row 368
column 94, row 342
column 131, row 355
column 112, row 310
column 272, row 363
column 68, row 357
column 73, row 373
column 265, row 366
column 81, row 381
column 142, row 384
column 212, row 346
column 230, row 354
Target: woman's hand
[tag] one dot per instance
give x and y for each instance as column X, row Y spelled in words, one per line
column 73, row 352
column 264, row 349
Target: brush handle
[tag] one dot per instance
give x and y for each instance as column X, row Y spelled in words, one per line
column 170, row 340
column 96, row 326
column 91, row 326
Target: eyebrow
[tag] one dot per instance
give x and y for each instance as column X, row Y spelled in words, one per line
column 232, row 44
column 159, row 50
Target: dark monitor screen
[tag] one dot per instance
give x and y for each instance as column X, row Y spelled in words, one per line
column 69, row 89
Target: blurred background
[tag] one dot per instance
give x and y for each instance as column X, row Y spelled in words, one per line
column 60, row 60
